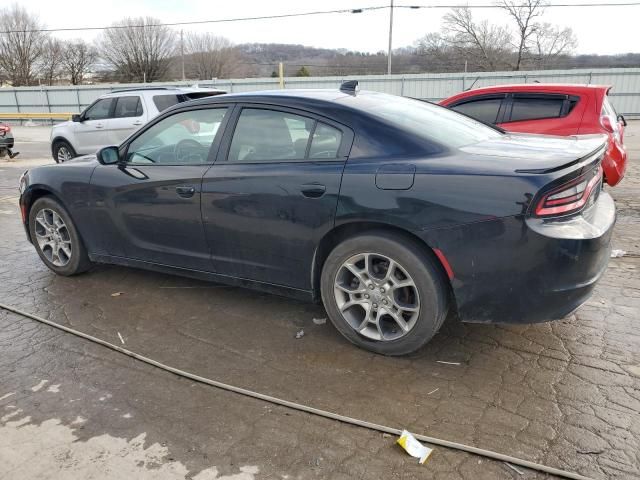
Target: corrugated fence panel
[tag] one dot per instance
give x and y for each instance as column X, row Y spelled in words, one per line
column 625, row 94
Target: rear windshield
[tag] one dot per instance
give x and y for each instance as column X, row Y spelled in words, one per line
column 163, row 102
column 431, row 122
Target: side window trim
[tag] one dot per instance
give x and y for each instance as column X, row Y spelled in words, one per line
column 225, row 144
column 217, row 139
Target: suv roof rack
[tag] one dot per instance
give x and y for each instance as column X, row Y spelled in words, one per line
column 136, row 89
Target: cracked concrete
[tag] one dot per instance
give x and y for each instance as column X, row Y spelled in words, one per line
column 565, row 393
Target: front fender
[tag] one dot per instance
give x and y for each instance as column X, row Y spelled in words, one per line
column 69, row 183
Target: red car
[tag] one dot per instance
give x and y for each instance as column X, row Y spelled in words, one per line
column 550, row 109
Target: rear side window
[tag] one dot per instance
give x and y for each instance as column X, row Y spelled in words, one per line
column 99, row 110
column 263, row 135
column 536, row 107
column 325, row 142
column 128, row 107
column 485, row 110
column 162, row 102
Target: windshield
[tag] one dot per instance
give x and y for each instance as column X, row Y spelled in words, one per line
column 432, row 122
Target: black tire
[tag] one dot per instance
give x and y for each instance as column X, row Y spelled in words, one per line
column 62, row 144
column 79, row 261
column 427, row 276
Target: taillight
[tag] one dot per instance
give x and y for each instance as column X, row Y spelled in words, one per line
column 571, row 196
column 611, row 126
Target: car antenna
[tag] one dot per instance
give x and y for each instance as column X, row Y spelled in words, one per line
column 471, row 86
column 350, row 87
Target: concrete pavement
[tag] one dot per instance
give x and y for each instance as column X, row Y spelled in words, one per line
column 565, row 393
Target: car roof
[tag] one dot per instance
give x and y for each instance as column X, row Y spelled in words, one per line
column 304, row 98
column 167, row 90
column 566, row 88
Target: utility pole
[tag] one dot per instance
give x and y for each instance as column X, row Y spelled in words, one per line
column 281, row 74
column 182, row 51
column 390, row 38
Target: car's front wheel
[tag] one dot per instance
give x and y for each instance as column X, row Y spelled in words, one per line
column 384, row 293
column 62, row 151
column 56, row 238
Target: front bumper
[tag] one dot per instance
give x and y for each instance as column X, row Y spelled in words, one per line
column 513, row 270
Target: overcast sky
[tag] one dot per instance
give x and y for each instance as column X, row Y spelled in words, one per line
column 599, row 30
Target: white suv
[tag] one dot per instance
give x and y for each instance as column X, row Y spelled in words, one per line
column 114, row 116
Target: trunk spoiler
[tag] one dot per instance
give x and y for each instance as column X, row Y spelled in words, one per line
column 593, row 157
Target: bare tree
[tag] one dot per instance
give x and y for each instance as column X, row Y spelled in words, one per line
column 551, row 42
column 78, row 57
column 139, row 49
column 21, row 44
column 210, row 56
column 50, row 64
column 432, row 43
column 524, row 13
column 486, row 42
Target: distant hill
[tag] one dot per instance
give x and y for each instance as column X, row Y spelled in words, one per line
column 261, row 60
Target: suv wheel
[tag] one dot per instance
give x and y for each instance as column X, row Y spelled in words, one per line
column 383, row 293
column 62, row 151
column 56, row 239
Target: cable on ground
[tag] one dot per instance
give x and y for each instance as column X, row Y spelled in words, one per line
column 300, row 407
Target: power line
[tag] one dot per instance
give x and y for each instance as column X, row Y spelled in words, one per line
column 202, row 22
column 493, row 5
column 314, row 13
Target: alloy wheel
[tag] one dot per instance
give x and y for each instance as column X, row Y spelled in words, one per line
column 63, row 154
column 377, row 296
column 53, row 237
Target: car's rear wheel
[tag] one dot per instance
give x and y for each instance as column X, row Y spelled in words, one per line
column 56, row 238
column 62, row 151
column 384, row 293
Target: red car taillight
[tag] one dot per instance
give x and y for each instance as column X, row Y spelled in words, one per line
column 571, row 196
column 4, row 129
column 611, row 125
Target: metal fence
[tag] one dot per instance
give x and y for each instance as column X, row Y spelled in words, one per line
column 625, row 94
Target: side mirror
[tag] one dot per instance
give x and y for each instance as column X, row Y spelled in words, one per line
column 108, row 155
column 622, row 120
column 76, row 117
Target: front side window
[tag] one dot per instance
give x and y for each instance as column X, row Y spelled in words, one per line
column 534, row 108
column 181, row 139
column 485, row 110
column 262, row 135
column 128, row 107
column 99, row 110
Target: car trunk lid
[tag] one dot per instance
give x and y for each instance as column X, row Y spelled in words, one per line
column 528, row 153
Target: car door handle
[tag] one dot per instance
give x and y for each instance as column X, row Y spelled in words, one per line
column 99, row 125
column 137, row 123
column 313, row 190
column 186, row 191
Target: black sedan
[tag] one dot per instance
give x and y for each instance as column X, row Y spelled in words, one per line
column 390, row 211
